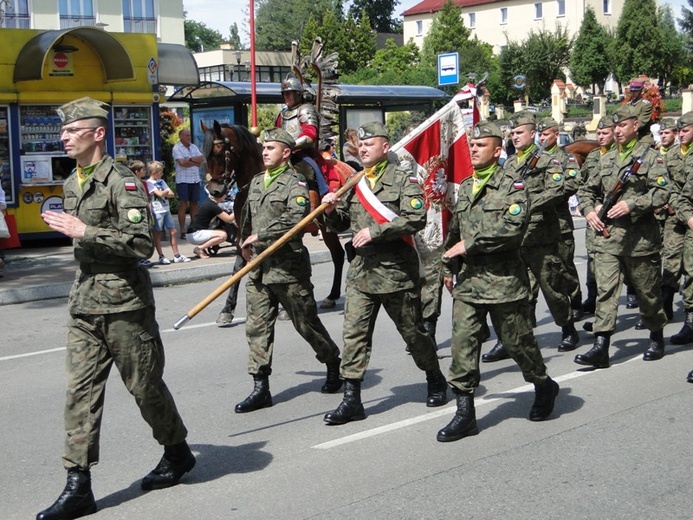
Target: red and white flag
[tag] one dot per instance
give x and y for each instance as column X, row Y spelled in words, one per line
column 438, row 152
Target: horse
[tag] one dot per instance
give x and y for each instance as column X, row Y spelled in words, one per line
column 581, row 149
column 233, row 154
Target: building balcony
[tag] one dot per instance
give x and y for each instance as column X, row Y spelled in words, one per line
column 139, row 25
column 16, row 21
column 68, row 22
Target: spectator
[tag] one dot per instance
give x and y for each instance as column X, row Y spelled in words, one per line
column 350, row 150
column 159, row 193
column 202, row 233
column 187, row 158
column 137, row 167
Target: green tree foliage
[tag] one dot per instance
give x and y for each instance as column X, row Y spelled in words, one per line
column 638, row 40
column 686, row 20
column 278, row 22
column 447, row 34
column 379, row 14
column 545, row 55
column 500, row 81
column 590, row 60
column 394, row 65
column 234, row 37
column 673, row 48
column 199, row 37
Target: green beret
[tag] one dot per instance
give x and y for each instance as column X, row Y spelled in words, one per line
column 685, row 120
column 546, row 123
column 486, row 129
column 522, row 118
column 667, row 123
column 280, row 135
column 624, row 112
column 605, row 122
column 83, row 108
column 373, row 129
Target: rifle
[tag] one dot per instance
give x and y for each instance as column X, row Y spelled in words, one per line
column 351, row 182
column 531, row 162
column 615, row 194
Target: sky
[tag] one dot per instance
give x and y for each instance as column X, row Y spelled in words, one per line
column 221, row 14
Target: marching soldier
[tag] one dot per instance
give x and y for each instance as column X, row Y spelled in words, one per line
column 483, row 251
column 384, row 210
column 605, row 138
column 668, row 132
column 643, row 108
column 112, row 316
column 277, row 201
column 634, row 241
column 546, row 186
column 548, row 137
column 681, row 163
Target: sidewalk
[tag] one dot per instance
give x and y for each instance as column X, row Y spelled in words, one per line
column 41, row 273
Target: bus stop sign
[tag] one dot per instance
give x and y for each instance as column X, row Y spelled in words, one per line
column 448, row 69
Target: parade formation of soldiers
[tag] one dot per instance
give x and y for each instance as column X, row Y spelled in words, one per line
column 510, row 237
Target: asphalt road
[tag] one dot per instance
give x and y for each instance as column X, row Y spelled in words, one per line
column 618, row 445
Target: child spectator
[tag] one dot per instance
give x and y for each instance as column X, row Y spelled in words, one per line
column 201, row 233
column 137, row 167
column 159, row 193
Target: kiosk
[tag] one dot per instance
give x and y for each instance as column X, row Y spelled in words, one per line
column 41, row 70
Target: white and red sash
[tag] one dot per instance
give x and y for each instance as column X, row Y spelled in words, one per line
column 376, row 209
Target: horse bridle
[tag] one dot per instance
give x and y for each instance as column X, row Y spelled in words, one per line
column 229, row 151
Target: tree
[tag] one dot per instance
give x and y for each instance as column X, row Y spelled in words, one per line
column 545, row 54
column 379, row 13
column 673, row 45
column 589, row 61
column 234, row 37
column 686, row 22
column 199, row 37
column 279, row 22
column 447, row 34
column 638, row 40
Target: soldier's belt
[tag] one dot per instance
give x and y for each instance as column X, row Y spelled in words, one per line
column 89, row 268
column 497, row 258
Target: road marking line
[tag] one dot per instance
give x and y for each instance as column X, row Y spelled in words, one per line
column 449, row 410
column 29, row 354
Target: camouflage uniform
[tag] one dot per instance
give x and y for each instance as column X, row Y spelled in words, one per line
column 539, row 251
column 111, row 308
column 385, row 272
column 491, row 279
column 283, row 277
column 634, row 245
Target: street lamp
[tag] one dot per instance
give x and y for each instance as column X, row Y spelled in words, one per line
column 238, row 64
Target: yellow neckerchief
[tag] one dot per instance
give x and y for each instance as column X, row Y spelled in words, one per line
column 552, row 150
column 663, row 150
column 522, row 154
column 624, row 151
column 83, row 173
column 604, row 149
column 684, row 150
column 272, row 173
column 481, row 177
column 375, row 172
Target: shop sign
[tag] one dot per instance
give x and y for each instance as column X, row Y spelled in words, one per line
column 61, row 64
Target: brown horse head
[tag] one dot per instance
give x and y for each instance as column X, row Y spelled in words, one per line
column 581, row 149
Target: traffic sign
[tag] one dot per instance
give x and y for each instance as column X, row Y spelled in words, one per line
column 448, row 69
column 152, row 71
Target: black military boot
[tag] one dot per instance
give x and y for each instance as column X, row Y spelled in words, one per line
column 437, row 388
column 685, row 335
column 578, row 312
column 429, row 324
column 350, row 409
column 640, row 325
column 176, row 462
column 76, row 500
column 631, row 300
column 485, row 332
column 570, row 338
column 655, row 349
column 598, row 355
column 497, row 353
column 690, row 377
column 463, row 423
column 544, row 399
column 332, row 382
column 668, row 301
column 589, row 304
column 259, row 398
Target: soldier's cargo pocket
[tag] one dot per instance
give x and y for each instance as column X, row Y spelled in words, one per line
column 151, row 356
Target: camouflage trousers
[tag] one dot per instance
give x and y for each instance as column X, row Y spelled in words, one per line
column 688, row 269
column 547, row 268
column 571, row 280
column 262, row 306
column 645, row 275
column 431, row 282
column 131, row 341
column 511, row 321
column 672, row 252
column 360, row 313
